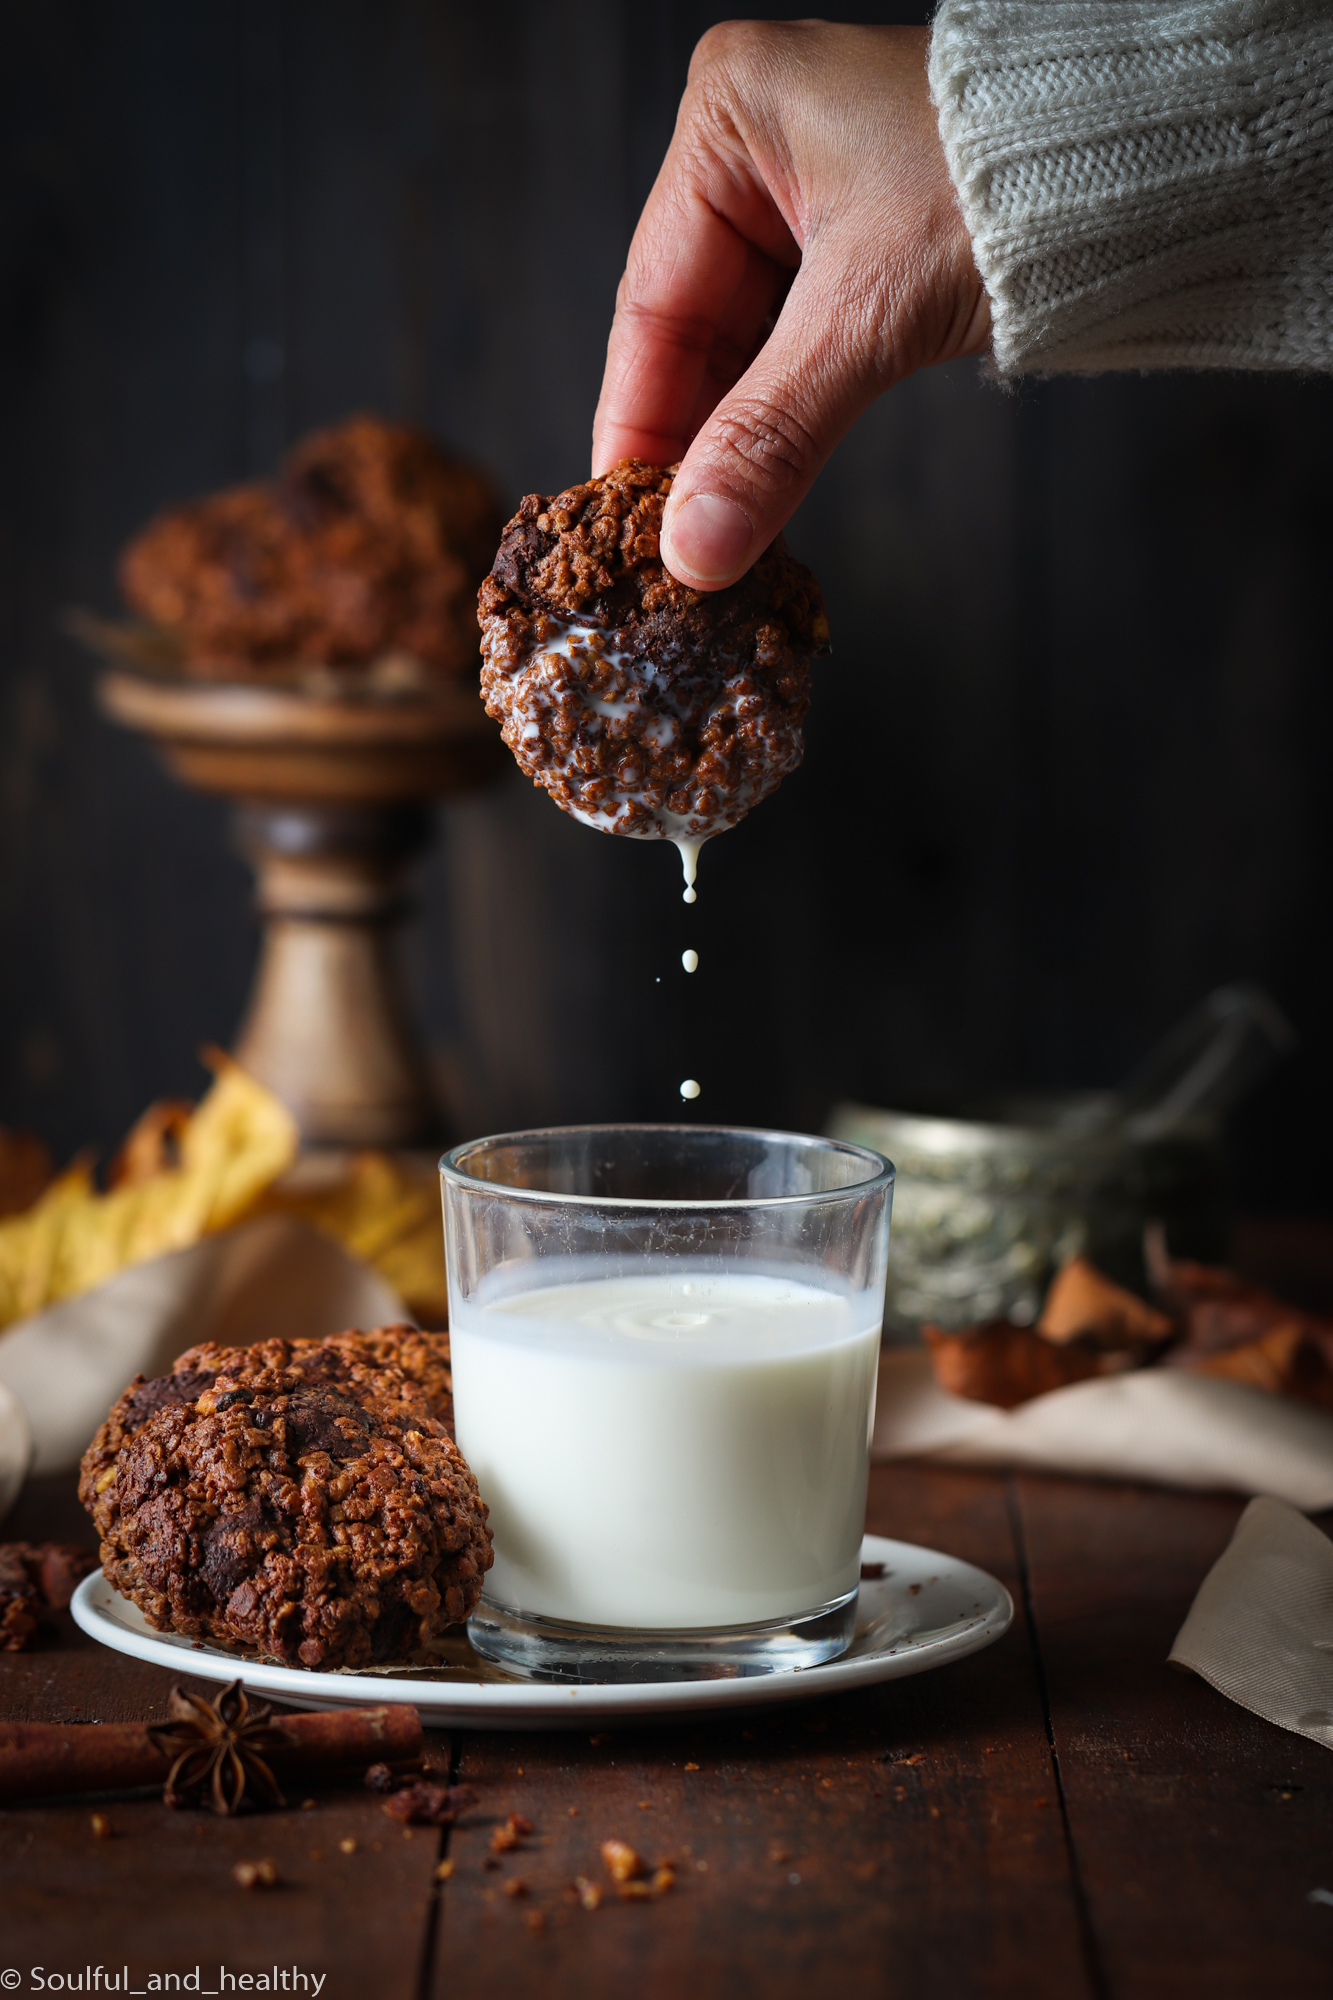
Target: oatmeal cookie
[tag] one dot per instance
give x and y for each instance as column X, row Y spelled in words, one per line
column 642, row 706
column 393, row 1364
column 316, row 1524
column 370, row 543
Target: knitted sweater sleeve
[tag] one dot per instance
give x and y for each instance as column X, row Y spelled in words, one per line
column 1147, row 183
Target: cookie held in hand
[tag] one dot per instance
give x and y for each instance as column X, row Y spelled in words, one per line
column 642, row 706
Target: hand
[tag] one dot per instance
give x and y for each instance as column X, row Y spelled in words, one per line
column 801, row 251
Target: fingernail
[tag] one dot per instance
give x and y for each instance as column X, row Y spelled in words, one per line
column 709, row 537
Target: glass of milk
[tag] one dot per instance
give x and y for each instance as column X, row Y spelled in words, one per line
column 665, row 1341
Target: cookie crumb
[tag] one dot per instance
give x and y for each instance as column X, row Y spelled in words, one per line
column 255, row 1874
column 589, row 1893
column 622, row 1861
column 425, row 1804
column 347, row 1846
column 507, row 1837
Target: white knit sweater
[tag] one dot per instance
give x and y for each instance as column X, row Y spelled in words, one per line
column 1147, row 183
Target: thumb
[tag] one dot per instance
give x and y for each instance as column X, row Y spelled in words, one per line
column 757, row 455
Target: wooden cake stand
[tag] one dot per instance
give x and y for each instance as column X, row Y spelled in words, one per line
column 332, row 809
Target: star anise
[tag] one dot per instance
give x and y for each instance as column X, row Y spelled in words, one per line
column 219, row 1744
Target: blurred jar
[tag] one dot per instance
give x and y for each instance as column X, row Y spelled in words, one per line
column 991, row 1203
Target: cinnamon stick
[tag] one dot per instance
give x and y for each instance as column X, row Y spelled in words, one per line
column 55, row 1759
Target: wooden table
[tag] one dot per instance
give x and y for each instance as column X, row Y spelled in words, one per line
column 1063, row 1815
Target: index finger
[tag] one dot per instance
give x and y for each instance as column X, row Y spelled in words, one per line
column 700, row 287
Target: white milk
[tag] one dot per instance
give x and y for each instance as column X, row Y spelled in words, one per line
column 678, row 1448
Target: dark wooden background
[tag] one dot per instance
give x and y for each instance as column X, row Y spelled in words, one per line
column 1065, row 772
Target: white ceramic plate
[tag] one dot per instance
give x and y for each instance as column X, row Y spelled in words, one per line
column 925, row 1610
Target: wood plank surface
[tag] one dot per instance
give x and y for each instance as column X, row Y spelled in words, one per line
column 905, row 1835
column 1065, row 1818
column 158, row 1898
column 1199, row 1831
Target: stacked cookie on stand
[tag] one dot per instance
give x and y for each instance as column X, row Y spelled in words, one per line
column 310, row 651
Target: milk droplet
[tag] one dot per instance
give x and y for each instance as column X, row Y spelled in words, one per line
column 690, row 960
column 689, row 847
column 689, row 1088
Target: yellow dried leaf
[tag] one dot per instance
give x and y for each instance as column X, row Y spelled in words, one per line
column 152, row 1143
column 30, row 1243
column 237, row 1143
column 387, row 1213
column 238, row 1140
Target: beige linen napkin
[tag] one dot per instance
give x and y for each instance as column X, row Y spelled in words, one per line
column 67, row 1365
column 1156, row 1424
column 1261, row 1627
column 15, row 1449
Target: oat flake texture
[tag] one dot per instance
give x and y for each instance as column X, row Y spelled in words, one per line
column 296, row 1500
column 643, row 707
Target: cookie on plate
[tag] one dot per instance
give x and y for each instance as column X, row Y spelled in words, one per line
column 315, row 1522
column 394, row 1364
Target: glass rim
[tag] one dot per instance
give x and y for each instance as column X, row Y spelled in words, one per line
column 882, row 1176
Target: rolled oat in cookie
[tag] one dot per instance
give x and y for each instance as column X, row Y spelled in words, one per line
column 643, row 707
column 309, row 1522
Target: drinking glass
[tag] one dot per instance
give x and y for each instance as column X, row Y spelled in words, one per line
column 665, row 1341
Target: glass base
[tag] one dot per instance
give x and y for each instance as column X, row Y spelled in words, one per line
column 544, row 1649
